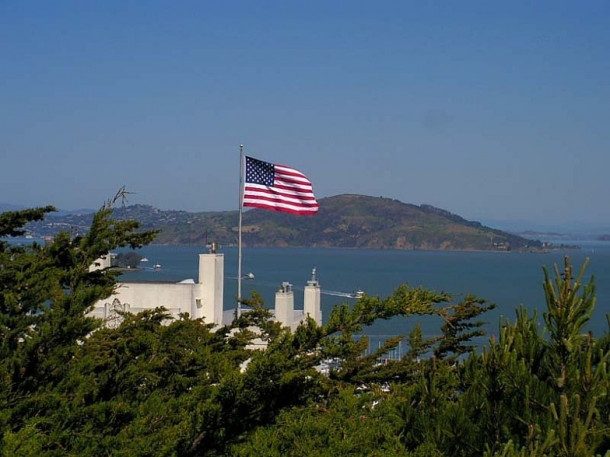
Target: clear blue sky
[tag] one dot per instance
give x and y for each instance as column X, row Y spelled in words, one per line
column 492, row 110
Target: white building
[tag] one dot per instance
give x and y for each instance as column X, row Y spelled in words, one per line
column 284, row 304
column 202, row 299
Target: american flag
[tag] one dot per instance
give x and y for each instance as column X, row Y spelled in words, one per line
column 278, row 188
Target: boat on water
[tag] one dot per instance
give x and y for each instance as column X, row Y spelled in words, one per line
column 143, row 259
column 336, row 293
column 156, row 266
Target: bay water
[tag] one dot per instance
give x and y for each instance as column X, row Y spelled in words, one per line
column 507, row 279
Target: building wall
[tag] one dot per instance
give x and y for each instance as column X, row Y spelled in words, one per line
column 204, row 299
column 200, row 300
column 137, row 297
column 211, row 290
column 284, row 305
column 103, row 262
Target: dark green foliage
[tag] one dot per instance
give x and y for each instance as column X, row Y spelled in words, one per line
column 537, row 395
column 134, row 390
column 506, row 400
column 161, row 387
column 11, row 222
column 459, row 329
column 351, row 423
column 130, row 259
column 45, row 292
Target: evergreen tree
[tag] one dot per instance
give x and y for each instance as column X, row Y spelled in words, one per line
column 45, row 292
column 163, row 387
column 531, row 393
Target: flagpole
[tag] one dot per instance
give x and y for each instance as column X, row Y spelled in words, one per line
column 241, row 205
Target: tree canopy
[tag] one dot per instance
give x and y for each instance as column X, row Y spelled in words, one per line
column 163, row 387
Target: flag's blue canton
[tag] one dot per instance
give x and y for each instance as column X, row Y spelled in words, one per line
column 259, row 172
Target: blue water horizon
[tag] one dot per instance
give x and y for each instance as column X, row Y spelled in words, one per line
column 506, row 279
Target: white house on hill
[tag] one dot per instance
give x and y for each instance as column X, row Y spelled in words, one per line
column 202, row 299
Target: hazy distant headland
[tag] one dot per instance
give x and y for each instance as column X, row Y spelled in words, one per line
column 346, row 221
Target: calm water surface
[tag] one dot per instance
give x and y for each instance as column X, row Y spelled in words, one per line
column 506, row 279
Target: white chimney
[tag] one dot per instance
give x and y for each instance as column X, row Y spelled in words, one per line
column 284, row 305
column 209, row 295
column 312, row 306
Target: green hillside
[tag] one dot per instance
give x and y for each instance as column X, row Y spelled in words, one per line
column 347, row 221
column 358, row 221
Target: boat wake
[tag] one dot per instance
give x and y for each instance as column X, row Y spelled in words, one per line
column 336, row 293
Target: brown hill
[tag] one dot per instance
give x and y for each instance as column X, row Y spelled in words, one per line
column 358, row 221
column 348, row 221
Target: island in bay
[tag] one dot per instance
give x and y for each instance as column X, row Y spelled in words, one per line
column 344, row 221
